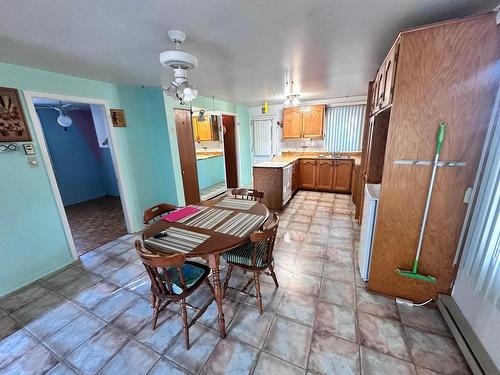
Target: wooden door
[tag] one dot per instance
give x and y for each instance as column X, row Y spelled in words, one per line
column 228, row 124
column 342, row 176
column 187, row 155
column 307, row 172
column 324, row 174
column 292, row 122
column 313, row 119
column 204, row 129
column 389, row 75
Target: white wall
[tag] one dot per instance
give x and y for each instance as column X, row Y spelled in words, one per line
column 275, row 111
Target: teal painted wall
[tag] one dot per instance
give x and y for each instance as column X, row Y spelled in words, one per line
column 32, row 239
column 210, row 171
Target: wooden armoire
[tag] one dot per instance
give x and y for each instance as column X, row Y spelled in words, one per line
column 449, row 72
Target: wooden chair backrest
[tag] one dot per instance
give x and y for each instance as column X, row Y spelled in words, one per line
column 250, row 194
column 154, row 262
column 152, row 213
column 267, row 234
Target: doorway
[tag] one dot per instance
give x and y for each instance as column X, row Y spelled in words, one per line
column 207, row 152
column 75, row 142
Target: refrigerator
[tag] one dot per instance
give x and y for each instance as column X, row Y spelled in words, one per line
column 367, row 234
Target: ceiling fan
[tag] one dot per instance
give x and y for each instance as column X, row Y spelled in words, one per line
column 63, row 119
column 180, row 62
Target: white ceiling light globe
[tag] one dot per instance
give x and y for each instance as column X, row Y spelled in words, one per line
column 64, row 121
column 295, row 101
column 189, row 94
column 287, row 102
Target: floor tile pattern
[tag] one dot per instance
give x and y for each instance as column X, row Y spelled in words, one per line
column 96, row 222
column 94, row 316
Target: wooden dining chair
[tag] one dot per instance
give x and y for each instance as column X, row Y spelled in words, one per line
column 153, row 213
column 255, row 256
column 173, row 279
column 250, row 194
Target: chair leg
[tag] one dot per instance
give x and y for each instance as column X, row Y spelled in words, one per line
column 185, row 324
column 257, row 290
column 226, row 280
column 156, row 311
column 271, row 268
column 153, row 300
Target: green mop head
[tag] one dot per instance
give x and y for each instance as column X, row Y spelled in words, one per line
column 415, row 275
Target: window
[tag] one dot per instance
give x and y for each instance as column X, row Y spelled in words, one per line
column 344, row 127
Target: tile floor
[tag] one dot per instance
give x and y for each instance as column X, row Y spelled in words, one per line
column 213, row 190
column 96, row 222
column 94, row 316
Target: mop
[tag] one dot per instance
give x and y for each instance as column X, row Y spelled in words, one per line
column 414, row 272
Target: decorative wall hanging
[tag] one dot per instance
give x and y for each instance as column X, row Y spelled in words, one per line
column 13, row 125
column 118, row 118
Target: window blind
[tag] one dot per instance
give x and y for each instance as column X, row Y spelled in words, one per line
column 344, row 128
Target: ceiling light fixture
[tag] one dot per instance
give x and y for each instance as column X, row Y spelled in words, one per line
column 292, row 98
column 180, row 62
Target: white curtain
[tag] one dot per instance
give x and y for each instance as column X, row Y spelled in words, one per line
column 262, row 139
column 344, row 128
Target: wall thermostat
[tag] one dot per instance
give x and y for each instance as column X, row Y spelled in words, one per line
column 29, row 149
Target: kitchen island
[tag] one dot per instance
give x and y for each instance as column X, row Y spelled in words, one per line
column 281, row 177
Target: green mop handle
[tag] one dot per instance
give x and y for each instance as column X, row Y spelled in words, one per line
column 440, row 137
column 439, row 145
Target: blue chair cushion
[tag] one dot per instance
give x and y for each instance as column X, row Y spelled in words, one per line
column 191, row 271
column 243, row 254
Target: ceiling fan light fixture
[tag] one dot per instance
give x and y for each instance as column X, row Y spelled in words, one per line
column 64, row 120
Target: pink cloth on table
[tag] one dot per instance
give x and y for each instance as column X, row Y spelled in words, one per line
column 179, row 214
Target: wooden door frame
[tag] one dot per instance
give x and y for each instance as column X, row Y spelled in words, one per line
column 45, row 155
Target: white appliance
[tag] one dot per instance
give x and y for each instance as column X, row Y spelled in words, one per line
column 372, row 194
column 287, row 183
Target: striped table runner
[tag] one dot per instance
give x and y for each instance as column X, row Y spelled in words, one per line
column 189, row 217
column 240, row 224
column 208, row 219
column 179, row 240
column 238, row 204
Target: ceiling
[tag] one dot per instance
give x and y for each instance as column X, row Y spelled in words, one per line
column 244, row 47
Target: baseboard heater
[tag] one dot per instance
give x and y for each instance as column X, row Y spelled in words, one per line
column 476, row 356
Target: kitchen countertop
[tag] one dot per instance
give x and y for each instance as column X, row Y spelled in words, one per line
column 283, row 161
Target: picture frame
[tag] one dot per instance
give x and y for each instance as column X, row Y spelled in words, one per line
column 118, row 118
column 13, row 125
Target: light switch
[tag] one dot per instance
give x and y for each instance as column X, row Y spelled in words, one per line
column 33, row 162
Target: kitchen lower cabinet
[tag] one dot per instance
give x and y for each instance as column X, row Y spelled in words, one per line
column 307, row 172
column 343, row 176
column 325, row 174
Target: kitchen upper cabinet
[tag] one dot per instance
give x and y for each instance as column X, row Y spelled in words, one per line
column 307, row 172
column 292, row 122
column 324, row 174
column 204, row 130
column 313, row 118
column 303, row 122
column 389, row 77
column 343, row 176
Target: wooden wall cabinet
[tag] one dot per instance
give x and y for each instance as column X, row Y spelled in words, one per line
column 383, row 85
column 204, row 130
column 303, row 122
column 433, row 63
column 307, row 172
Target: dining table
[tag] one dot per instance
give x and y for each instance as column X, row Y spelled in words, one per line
column 218, row 225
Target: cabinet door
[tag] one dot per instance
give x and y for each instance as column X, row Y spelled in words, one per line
column 194, row 121
column 390, row 75
column 204, row 130
column 292, row 122
column 295, row 176
column 307, row 172
column 343, row 175
column 380, row 88
column 373, row 100
column 313, row 118
column 324, row 174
